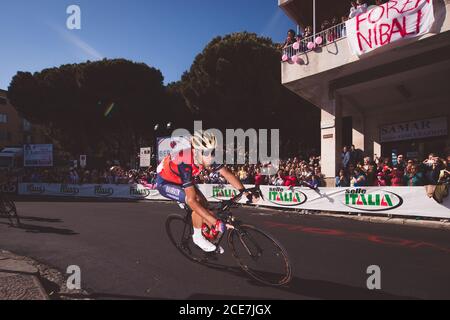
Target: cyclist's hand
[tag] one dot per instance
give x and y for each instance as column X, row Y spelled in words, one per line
column 253, row 197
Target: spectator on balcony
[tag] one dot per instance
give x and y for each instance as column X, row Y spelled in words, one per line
column 357, row 7
column 353, row 9
column 327, row 37
column 308, row 32
column 362, row 5
column 290, row 40
column 414, row 178
column 343, row 26
column 337, row 30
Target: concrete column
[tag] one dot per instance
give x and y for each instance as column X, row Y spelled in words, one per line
column 331, row 140
column 358, row 132
column 376, row 149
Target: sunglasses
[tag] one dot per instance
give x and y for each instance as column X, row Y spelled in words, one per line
column 209, row 152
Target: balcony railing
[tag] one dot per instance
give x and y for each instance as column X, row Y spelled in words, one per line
column 321, row 39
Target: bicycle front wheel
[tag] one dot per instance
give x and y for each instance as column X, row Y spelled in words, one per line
column 260, row 255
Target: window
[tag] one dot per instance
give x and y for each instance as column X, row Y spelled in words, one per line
column 3, row 101
column 3, row 118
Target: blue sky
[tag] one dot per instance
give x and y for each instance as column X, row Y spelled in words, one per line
column 163, row 34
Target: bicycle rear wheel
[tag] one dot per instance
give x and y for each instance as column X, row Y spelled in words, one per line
column 260, row 255
column 180, row 231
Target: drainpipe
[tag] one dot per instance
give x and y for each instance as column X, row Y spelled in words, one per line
column 314, row 18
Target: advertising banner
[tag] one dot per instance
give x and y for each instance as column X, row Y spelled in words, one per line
column 38, row 155
column 169, row 145
column 144, row 157
column 406, row 201
column 414, row 130
column 388, row 23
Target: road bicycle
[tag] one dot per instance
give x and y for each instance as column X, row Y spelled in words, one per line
column 257, row 253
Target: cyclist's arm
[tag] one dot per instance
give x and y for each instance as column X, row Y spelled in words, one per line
column 232, row 179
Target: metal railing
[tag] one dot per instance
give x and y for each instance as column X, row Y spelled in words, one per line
column 321, row 39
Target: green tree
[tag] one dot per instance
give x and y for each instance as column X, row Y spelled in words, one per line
column 236, row 82
column 105, row 108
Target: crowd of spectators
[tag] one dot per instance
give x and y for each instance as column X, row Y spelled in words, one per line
column 291, row 172
column 358, row 171
column 330, row 29
column 112, row 175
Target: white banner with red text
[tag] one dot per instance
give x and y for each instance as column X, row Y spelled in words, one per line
column 406, row 201
column 393, row 21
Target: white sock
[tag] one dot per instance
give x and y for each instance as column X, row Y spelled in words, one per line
column 201, row 241
column 197, row 232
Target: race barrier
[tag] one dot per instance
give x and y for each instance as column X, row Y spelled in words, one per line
column 405, row 201
column 9, row 188
column 105, row 191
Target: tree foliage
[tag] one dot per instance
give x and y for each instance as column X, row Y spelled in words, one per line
column 104, row 108
column 236, row 82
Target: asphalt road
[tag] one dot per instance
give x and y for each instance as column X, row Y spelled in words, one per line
column 124, row 253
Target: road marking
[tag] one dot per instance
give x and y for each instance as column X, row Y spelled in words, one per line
column 412, row 244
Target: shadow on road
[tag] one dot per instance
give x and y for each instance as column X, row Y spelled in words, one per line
column 44, row 229
column 39, row 228
column 38, row 219
column 316, row 289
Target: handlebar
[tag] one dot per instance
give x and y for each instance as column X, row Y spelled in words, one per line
column 226, row 204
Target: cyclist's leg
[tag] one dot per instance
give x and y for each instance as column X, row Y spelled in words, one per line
column 198, row 220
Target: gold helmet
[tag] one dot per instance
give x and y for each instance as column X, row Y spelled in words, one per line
column 203, row 141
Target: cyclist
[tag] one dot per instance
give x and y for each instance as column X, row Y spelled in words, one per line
column 175, row 181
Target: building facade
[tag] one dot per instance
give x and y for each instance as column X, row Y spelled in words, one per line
column 14, row 130
column 392, row 100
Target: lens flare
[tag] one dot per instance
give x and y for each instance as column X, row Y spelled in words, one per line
column 109, row 109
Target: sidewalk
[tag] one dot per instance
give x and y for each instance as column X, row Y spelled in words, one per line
column 19, row 279
column 22, row 278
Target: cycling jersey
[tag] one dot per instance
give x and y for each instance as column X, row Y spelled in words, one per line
column 180, row 169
